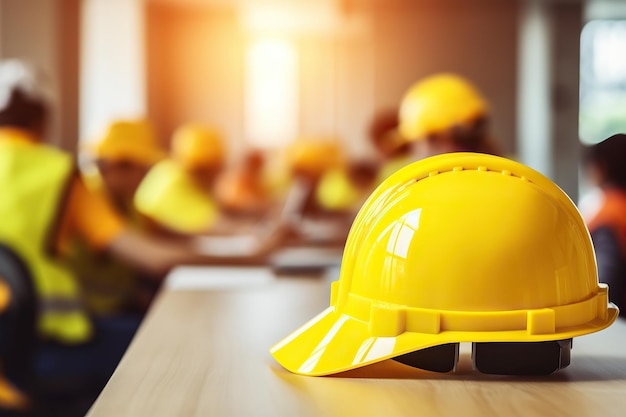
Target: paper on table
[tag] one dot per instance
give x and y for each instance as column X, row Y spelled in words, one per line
column 214, row 277
column 304, row 258
column 239, row 245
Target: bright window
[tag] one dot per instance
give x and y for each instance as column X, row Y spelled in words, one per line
column 602, row 80
column 271, row 93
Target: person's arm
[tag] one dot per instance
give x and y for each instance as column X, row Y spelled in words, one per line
column 90, row 216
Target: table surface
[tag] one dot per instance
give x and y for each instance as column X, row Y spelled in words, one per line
column 203, row 350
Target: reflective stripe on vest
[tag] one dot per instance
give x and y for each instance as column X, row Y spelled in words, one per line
column 33, row 179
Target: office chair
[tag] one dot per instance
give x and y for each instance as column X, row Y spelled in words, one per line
column 18, row 312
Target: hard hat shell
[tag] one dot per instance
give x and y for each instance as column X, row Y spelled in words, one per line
column 129, row 140
column 195, row 145
column 459, row 247
column 313, row 156
column 438, row 103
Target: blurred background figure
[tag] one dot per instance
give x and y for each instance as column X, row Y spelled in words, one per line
column 70, row 351
column 445, row 113
column 178, row 194
column 318, row 169
column 604, row 210
column 122, row 158
column 244, row 190
column 178, row 197
column 343, row 190
column 119, row 160
column 308, row 159
column 393, row 150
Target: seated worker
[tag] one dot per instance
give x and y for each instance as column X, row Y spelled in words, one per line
column 178, row 193
column 47, row 204
column 245, row 190
column 445, row 113
column 119, row 160
column 309, row 160
column 122, row 157
column 393, row 150
column 345, row 189
column 604, row 211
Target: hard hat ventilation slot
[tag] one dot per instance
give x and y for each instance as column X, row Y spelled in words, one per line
column 481, row 168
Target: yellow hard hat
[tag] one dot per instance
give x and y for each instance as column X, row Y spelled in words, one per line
column 437, row 103
column 130, row 140
column 460, row 247
column 314, row 156
column 196, row 145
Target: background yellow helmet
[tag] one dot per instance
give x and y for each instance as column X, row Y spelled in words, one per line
column 458, row 247
column 314, row 156
column 437, row 103
column 129, row 140
column 195, row 145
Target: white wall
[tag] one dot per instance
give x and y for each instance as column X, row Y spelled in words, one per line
column 112, row 67
column 29, row 31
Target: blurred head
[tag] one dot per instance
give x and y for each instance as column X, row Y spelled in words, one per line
column 23, row 100
column 253, row 162
column 362, row 173
column 200, row 150
column 383, row 132
column 125, row 154
column 309, row 158
column 604, row 162
column 445, row 113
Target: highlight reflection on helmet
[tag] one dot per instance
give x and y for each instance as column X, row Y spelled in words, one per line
column 458, row 248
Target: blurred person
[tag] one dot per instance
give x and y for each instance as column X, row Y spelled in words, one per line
column 393, row 150
column 604, row 211
column 445, row 113
column 48, row 203
column 178, row 193
column 319, row 217
column 121, row 158
column 308, row 159
column 245, row 189
column 345, row 189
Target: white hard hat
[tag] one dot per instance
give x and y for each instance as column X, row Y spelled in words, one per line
column 19, row 75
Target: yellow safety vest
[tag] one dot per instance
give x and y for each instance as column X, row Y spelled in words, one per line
column 335, row 191
column 33, row 182
column 392, row 166
column 171, row 197
column 108, row 284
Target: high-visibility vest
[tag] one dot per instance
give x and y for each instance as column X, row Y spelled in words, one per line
column 335, row 191
column 108, row 284
column 171, row 197
column 33, row 182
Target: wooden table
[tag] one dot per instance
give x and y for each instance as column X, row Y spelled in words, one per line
column 205, row 352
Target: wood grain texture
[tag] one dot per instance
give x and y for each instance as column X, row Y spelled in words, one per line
column 206, row 353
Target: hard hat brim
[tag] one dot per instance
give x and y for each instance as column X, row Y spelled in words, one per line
column 334, row 342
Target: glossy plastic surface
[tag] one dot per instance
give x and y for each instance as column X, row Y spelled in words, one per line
column 455, row 248
column 437, row 103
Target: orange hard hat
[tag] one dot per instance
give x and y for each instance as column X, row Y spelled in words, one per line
column 130, row 140
column 314, row 156
column 195, row 145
